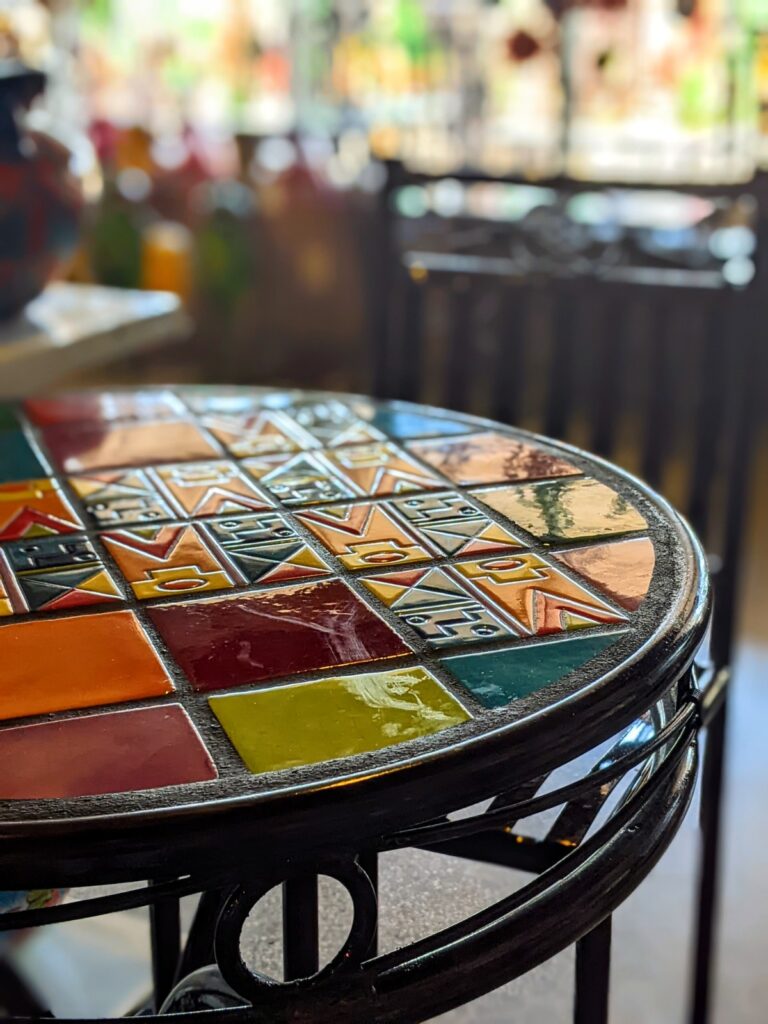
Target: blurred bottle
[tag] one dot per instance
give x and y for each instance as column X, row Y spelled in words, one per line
column 167, row 258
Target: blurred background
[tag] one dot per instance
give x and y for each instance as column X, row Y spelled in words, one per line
column 549, row 212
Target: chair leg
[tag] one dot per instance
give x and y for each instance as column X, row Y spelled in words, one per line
column 707, row 911
column 165, row 933
column 593, row 975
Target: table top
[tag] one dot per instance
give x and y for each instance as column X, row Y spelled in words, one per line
column 226, row 598
column 73, row 327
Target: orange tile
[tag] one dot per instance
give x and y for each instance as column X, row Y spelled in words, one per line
column 380, row 469
column 211, row 488
column 162, row 561
column 363, row 535
column 622, row 570
column 81, row 447
column 490, row 458
column 34, row 508
column 78, row 662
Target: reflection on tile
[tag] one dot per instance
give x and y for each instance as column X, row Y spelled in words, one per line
column 381, row 469
column 490, row 458
column 284, row 727
column 363, row 535
column 331, row 423
column 538, row 597
column 454, row 525
column 84, row 446
column 57, row 573
column 77, row 662
column 18, row 459
column 264, row 432
column 566, row 509
column 160, row 561
column 210, row 489
column 266, row 549
column 303, row 479
column 621, row 570
column 120, row 497
column 403, row 424
column 437, row 607
column 103, row 406
column 496, row 678
column 229, row 642
column 118, row 752
column 35, row 508
column 228, row 400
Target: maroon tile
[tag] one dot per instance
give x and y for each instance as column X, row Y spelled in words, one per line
column 85, row 446
column 251, row 638
column 103, row 406
column 118, row 752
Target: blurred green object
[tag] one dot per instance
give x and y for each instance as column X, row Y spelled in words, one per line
column 225, row 256
column 114, row 237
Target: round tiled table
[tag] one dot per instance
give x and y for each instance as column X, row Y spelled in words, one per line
column 248, row 634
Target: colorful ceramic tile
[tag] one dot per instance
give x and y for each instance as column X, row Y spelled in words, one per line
column 566, row 509
column 35, row 508
column 331, row 423
column 621, row 570
column 79, row 661
column 496, row 678
column 120, row 497
column 160, row 561
column 303, row 479
column 11, row 601
column 229, row 400
column 363, row 536
column 264, row 432
column 210, row 489
column 55, row 573
column 18, row 459
column 454, row 526
column 403, row 423
column 117, row 752
column 374, row 469
column 275, row 728
column 8, row 418
column 489, row 458
column 104, row 406
column 538, row 597
column 81, row 447
column 229, row 642
column 266, row 549
column 437, row 607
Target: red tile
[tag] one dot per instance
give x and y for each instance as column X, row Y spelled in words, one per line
column 251, row 638
column 103, row 406
column 86, row 446
column 118, row 752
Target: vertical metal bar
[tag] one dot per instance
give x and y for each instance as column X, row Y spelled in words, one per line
column 593, row 976
column 408, row 348
column 611, row 356
column 165, row 937
column 301, row 955
column 657, row 418
column 711, row 818
column 564, row 340
column 199, row 948
column 382, row 270
column 369, row 862
column 510, row 368
column 461, row 344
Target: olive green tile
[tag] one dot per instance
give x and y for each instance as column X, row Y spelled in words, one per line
column 305, row 723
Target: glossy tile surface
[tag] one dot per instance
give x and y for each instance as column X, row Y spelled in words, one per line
column 402, row 424
column 303, row 479
column 565, row 510
column 454, row 526
column 260, row 433
column 120, row 497
column 488, row 458
column 35, row 508
column 210, row 489
column 375, row 469
column 160, row 561
column 496, row 678
column 622, row 570
column 331, row 423
column 57, row 573
column 85, row 446
column 254, row 637
column 363, row 535
column 437, row 607
column 105, row 406
column 118, row 752
column 11, row 601
column 18, row 459
column 537, row 597
column 284, row 727
column 77, row 662
column 266, row 549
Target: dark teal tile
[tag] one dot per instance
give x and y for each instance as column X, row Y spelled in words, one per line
column 18, row 460
column 499, row 677
column 399, row 424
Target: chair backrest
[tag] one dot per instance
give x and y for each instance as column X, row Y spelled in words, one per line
column 656, row 367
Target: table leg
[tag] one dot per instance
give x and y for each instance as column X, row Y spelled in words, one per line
column 300, row 927
column 593, row 975
column 165, row 933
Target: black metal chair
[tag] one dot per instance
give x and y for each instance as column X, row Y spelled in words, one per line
column 538, row 325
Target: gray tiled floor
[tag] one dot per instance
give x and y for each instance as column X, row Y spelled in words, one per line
column 101, row 966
